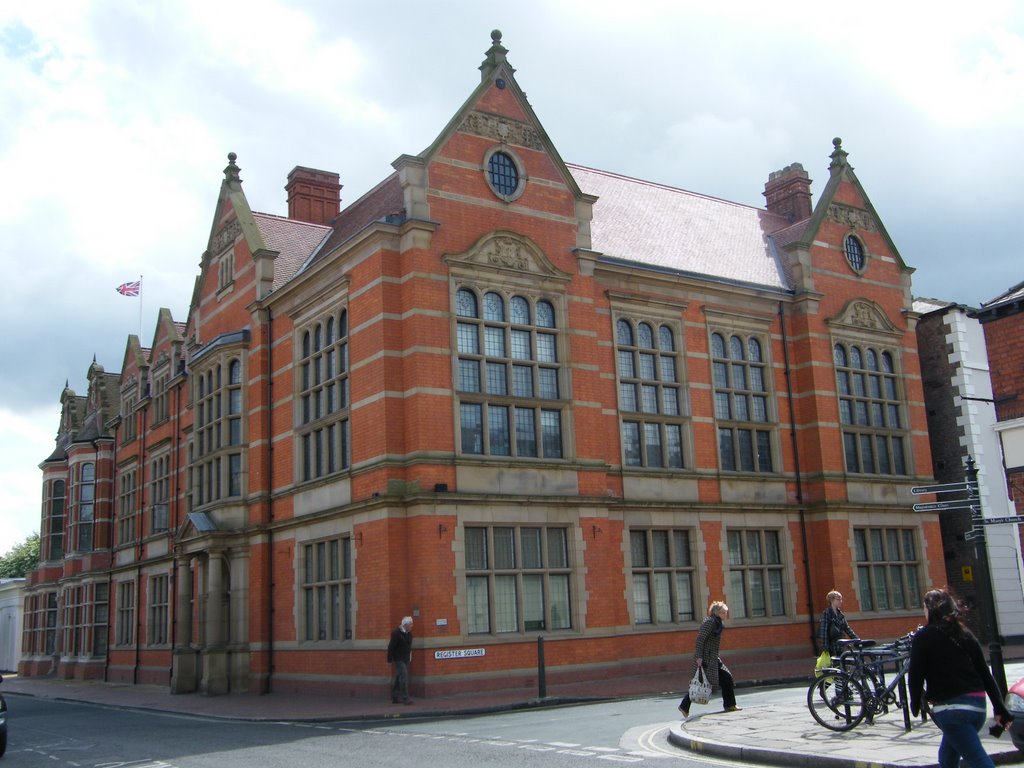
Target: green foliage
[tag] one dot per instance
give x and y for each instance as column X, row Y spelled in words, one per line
column 21, row 559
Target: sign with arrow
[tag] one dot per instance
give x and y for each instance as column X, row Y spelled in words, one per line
column 966, row 487
column 942, row 506
column 1011, row 520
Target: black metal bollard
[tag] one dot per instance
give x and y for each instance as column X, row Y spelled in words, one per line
column 542, row 683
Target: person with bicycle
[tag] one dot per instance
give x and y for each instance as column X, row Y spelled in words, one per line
column 834, row 625
column 948, row 676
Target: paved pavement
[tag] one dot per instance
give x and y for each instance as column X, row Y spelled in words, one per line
column 778, row 733
column 784, row 733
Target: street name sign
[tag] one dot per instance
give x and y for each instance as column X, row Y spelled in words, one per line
column 1018, row 519
column 945, row 488
column 942, row 506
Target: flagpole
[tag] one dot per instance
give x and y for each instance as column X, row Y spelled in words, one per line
column 140, row 309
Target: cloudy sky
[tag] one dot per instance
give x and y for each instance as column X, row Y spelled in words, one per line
column 117, row 119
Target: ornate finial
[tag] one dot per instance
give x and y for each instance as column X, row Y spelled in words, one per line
column 231, row 171
column 838, row 155
column 495, row 56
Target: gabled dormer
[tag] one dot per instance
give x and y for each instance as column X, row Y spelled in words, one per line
column 844, row 219
column 493, row 150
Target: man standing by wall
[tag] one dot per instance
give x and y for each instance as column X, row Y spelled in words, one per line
column 400, row 654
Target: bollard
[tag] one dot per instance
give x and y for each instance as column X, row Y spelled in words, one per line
column 542, row 683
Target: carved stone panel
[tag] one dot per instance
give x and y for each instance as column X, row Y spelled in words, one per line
column 855, row 218
column 225, row 236
column 501, row 129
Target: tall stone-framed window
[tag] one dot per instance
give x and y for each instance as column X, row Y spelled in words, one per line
column 744, row 413
column 54, row 512
column 85, row 490
column 217, row 436
column 85, row 614
column 129, row 418
column 124, row 631
column 158, row 619
column 39, row 629
column 100, row 617
column 75, row 621
column 652, row 403
column 664, row 577
column 517, row 579
column 127, row 505
column 327, row 590
column 323, row 402
column 509, row 375
column 226, row 270
column 161, row 389
column 160, row 492
column 875, row 433
column 888, row 568
column 756, row 573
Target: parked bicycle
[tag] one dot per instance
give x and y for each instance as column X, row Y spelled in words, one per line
column 854, row 688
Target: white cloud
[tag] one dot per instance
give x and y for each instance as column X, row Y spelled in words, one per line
column 26, row 442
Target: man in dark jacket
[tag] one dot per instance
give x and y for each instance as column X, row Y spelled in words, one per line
column 400, row 654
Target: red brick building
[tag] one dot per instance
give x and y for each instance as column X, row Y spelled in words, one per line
column 512, row 397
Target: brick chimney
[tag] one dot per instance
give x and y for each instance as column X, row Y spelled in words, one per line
column 313, row 196
column 788, row 193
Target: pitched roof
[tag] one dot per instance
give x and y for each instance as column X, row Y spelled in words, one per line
column 383, row 200
column 923, row 305
column 295, row 241
column 669, row 228
column 1013, row 294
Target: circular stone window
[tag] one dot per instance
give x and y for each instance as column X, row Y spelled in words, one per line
column 504, row 174
column 855, row 253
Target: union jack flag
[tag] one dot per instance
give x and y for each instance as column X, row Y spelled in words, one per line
column 130, row 289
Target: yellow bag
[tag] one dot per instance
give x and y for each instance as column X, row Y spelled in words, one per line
column 824, row 660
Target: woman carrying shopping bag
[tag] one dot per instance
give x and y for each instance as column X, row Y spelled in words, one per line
column 833, row 625
column 706, row 658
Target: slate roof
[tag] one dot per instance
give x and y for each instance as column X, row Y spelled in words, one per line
column 670, row 228
column 294, row 241
column 633, row 221
column 1013, row 294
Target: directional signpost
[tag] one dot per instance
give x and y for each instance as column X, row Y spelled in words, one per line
column 971, row 502
column 977, row 533
column 1011, row 520
column 971, row 488
column 940, row 506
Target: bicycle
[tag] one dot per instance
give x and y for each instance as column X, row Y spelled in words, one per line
column 854, row 689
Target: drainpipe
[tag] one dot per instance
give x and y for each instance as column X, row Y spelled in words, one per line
column 172, row 503
column 799, row 481
column 267, row 687
column 140, row 507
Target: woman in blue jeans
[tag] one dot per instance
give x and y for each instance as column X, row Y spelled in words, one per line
column 948, row 676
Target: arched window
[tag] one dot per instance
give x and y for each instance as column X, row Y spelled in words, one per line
column 742, row 404
column 651, row 404
column 323, row 415
column 874, row 433
column 508, row 376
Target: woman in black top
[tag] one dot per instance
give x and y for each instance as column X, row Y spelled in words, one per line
column 946, row 657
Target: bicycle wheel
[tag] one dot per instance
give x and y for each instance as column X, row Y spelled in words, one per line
column 837, row 701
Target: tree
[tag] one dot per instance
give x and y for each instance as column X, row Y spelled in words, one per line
column 21, row 559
